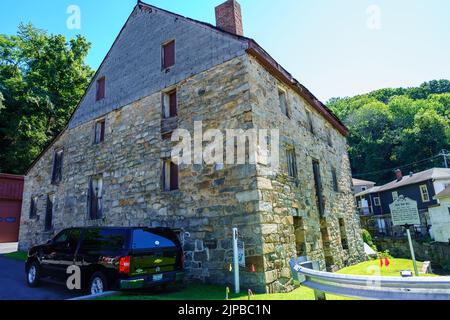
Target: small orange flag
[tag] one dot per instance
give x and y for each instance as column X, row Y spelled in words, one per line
column 387, row 262
column 253, row 268
column 381, row 262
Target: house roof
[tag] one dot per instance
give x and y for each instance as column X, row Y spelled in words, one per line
column 431, row 174
column 443, row 194
column 255, row 50
column 358, row 182
column 368, row 191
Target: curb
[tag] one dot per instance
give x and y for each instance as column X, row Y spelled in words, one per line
column 95, row 296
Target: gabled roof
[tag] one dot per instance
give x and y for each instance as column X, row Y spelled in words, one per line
column 368, row 191
column 431, row 174
column 358, row 182
column 254, row 49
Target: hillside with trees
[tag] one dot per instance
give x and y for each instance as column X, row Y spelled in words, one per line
column 403, row 127
column 42, row 78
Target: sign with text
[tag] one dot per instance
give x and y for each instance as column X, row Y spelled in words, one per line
column 241, row 254
column 404, row 212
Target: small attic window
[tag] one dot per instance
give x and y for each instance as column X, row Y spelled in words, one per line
column 168, row 54
column 100, row 95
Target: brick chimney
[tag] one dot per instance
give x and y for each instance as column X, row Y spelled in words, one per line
column 229, row 17
column 399, row 174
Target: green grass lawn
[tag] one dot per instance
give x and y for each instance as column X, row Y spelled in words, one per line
column 207, row 292
column 20, row 255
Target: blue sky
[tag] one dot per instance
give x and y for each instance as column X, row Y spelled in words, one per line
column 326, row 44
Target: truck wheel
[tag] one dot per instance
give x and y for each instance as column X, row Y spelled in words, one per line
column 98, row 283
column 34, row 275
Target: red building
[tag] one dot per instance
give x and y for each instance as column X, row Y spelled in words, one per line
column 11, row 189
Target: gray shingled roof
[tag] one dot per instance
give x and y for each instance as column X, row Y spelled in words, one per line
column 432, row 174
column 358, row 182
column 443, row 194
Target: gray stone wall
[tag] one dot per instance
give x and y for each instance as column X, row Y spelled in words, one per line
column 285, row 198
column 133, row 66
column 264, row 205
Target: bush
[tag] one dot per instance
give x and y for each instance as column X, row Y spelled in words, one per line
column 368, row 239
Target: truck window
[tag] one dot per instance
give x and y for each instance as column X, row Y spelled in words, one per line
column 144, row 239
column 104, row 240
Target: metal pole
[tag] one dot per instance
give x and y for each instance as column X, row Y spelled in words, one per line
column 237, row 288
column 416, row 270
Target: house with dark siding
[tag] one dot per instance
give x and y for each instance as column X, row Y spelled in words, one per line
column 421, row 187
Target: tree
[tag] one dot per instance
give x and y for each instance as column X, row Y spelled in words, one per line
column 429, row 135
column 42, row 78
column 395, row 127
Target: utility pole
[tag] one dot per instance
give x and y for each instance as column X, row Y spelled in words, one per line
column 445, row 154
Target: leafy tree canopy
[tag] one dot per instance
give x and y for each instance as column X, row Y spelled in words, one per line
column 42, row 78
column 402, row 127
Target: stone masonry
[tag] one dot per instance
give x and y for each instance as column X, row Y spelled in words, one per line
column 277, row 216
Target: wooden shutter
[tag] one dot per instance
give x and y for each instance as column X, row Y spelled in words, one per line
column 168, row 54
column 173, row 103
column 92, row 201
column 49, row 214
column 318, row 185
column 33, row 208
column 173, row 176
column 100, row 89
column 102, row 131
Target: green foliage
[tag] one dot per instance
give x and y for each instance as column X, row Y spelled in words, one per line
column 396, row 127
column 42, row 79
column 367, row 237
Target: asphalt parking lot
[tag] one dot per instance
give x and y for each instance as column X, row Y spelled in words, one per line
column 13, row 285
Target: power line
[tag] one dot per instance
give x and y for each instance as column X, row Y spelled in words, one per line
column 401, row 167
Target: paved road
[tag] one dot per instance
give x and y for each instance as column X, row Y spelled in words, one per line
column 13, row 285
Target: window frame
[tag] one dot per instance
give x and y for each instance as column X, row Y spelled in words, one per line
column 291, row 161
column 49, row 212
column 377, row 201
column 57, row 168
column 165, row 45
column 33, row 208
column 168, row 182
column 423, row 188
column 283, row 93
column 96, row 214
column 169, row 111
column 101, row 137
column 100, row 93
column 335, row 180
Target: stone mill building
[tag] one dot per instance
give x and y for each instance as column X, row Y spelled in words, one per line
column 111, row 166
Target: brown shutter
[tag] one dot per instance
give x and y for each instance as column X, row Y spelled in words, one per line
column 100, row 89
column 169, row 54
column 173, row 176
column 318, row 185
column 102, row 131
column 173, row 104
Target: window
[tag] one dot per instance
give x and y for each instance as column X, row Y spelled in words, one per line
column 283, row 102
column 168, row 54
column 335, row 180
column 57, row 166
column 104, row 240
column 99, row 131
column 49, row 213
column 291, row 163
column 67, row 240
column 170, row 176
column 395, row 195
column 377, row 201
column 169, row 104
column 100, row 95
column 343, row 232
column 144, row 239
column 363, row 188
column 318, row 187
column 300, row 236
column 424, row 193
column 33, row 207
column 329, row 138
column 310, row 122
column 95, row 203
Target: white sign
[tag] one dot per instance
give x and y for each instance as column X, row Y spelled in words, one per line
column 404, row 212
column 241, row 254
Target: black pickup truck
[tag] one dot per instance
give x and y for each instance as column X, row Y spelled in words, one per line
column 109, row 258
